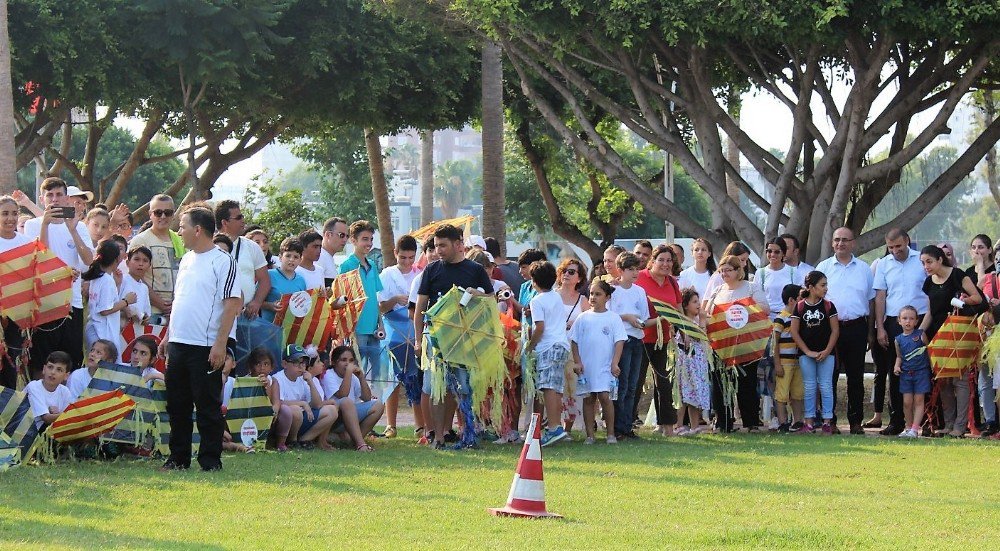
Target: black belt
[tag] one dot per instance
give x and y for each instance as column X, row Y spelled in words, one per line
column 855, row 321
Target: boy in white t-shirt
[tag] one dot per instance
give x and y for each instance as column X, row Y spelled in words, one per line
column 630, row 303
column 139, row 260
column 550, row 344
column 48, row 396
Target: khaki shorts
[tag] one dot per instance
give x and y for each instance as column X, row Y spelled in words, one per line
column 790, row 385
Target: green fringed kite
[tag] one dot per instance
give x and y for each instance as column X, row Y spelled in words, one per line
column 472, row 336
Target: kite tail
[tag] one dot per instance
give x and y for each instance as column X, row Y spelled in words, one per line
column 43, row 449
column 673, row 356
column 510, row 401
column 411, row 384
column 436, row 371
column 23, row 360
column 468, row 437
column 727, row 376
column 528, row 373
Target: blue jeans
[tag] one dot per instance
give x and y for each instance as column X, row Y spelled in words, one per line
column 820, row 373
column 370, row 349
column 630, row 364
column 987, row 396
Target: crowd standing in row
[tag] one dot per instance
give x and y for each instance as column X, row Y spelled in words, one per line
column 588, row 342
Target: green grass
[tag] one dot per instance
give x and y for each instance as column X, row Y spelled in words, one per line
column 704, row 492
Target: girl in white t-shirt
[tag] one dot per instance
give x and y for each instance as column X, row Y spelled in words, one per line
column 697, row 276
column 261, row 364
column 601, row 333
column 143, row 354
column 105, row 303
column 359, row 409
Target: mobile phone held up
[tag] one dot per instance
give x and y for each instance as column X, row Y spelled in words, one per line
column 66, row 212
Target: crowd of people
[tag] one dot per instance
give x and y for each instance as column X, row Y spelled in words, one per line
column 588, row 344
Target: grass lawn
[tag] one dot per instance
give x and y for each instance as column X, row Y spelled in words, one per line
column 700, row 492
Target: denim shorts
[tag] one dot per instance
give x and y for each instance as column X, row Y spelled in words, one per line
column 362, row 407
column 551, row 366
column 915, row 382
column 306, row 423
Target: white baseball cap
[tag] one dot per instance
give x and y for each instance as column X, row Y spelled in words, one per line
column 73, row 191
column 476, row 241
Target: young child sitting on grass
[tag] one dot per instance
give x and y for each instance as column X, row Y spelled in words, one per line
column 345, row 383
column 311, row 420
column 261, row 365
column 101, row 351
column 48, row 396
column 913, row 366
column 228, row 383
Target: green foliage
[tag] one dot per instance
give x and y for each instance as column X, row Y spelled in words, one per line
column 280, row 213
column 337, row 155
column 456, row 184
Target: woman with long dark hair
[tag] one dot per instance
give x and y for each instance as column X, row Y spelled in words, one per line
column 659, row 283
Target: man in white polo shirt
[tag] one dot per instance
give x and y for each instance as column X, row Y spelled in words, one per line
column 850, row 282
column 206, row 301
column 250, row 262
column 69, row 240
column 899, row 279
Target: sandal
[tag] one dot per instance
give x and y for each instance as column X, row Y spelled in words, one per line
column 365, row 448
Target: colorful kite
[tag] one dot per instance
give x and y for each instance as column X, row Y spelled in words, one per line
column 162, row 427
column 346, row 288
column 473, row 337
column 17, row 421
column 678, row 320
column 428, row 230
column 399, row 351
column 132, row 331
column 305, row 319
column 138, row 426
column 36, row 285
column 91, row 417
column 10, row 455
column 739, row 331
column 955, row 347
column 250, row 413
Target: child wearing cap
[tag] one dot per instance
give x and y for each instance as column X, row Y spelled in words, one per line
column 311, row 420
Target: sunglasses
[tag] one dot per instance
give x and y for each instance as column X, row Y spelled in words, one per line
column 163, row 212
column 774, row 251
column 237, row 217
column 570, row 271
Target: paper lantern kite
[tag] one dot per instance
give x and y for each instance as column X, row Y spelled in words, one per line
column 91, row 417
column 305, row 319
column 250, row 413
column 739, row 331
column 472, row 336
column 132, row 331
column 678, row 320
column 428, row 230
column 35, row 285
column 17, row 422
column 955, row 347
column 349, row 287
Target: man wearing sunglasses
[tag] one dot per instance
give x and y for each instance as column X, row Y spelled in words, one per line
column 334, row 240
column 167, row 248
column 250, row 262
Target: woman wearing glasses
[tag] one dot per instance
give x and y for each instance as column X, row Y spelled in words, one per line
column 773, row 277
column 571, row 280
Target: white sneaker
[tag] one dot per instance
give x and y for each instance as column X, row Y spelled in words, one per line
column 612, row 440
column 774, row 424
column 908, row 433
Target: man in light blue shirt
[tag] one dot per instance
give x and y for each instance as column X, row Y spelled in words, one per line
column 899, row 278
column 850, row 282
column 369, row 326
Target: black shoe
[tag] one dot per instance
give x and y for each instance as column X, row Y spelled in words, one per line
column 891, row 430
column 171, row 465
column 834, row 429
column 990, row 430
column 856, row 429
column 796, row 426
column 307, row 446
column 438, row 446
column 783, row 428
column 632, row 435
column 212, row 468
column 451, row 437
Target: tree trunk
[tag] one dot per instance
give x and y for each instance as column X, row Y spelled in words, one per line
column 380, row 191
column 8, row 157
column 426, row 177
column 732, row 151
column 494, row 215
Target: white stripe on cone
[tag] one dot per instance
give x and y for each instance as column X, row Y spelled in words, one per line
column 534, row 450
column 528, row 490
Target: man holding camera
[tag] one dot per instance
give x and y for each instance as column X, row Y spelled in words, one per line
column 61, row 229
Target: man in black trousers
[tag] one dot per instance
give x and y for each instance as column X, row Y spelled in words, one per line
column 207, row 299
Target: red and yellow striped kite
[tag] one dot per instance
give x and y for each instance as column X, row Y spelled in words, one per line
column 91, row 417
column 305, row 318
column 345, row 320
column 35, row 285
column 955, row 347
column 739, row 331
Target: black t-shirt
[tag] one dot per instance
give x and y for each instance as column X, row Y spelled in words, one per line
column 440, row 276
column 814, row 323
column 940, row 295
column 971, row 272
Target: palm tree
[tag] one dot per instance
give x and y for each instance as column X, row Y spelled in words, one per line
column 493, row 184
column 426, row 177
column 8, row 159
column 380, row 191
column 453, row 185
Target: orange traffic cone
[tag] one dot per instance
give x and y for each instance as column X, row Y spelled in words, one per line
column 527, row 492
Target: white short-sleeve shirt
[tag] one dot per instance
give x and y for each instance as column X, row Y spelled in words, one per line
column 40, row 399
column 204, row 281
column 249, row 258
column 903, row 283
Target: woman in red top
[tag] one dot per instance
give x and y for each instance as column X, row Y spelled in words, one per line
column 987, row 383
column 659, row 283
